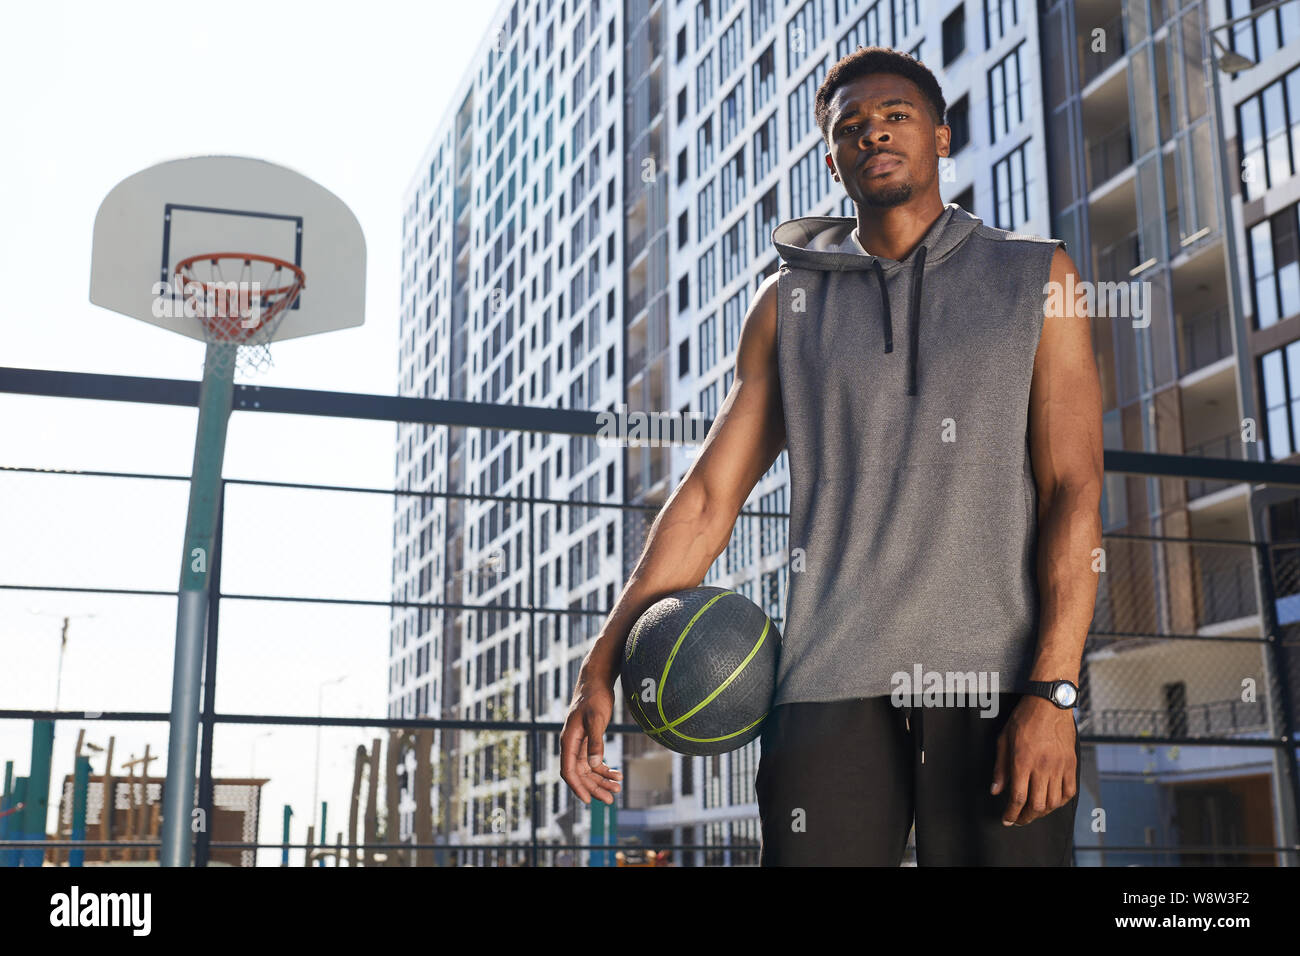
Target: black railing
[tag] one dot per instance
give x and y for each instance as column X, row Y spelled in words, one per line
column 1205, row 580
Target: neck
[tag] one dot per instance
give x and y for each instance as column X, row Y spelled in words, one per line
column 894, row 232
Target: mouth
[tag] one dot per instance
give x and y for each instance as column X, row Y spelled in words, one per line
column 881, row 163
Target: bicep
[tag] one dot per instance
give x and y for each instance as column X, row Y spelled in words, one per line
column 749, row 430
column 1065, row 405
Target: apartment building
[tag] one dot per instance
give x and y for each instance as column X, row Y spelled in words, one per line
column 587, row 227
column 1137, row 191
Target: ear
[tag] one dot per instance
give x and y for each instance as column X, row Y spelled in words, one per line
column 942, row 139
column 830, row 164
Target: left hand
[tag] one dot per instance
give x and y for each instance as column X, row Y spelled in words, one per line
column 1035, row 761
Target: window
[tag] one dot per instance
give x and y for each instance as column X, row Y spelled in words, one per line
column 764, row 77
column 1269, row 135
column 682, row 106
column 1274, row 269
column 1006, row 103
column 705, row 219
column 765, row 148
column 808, row 182
column 707, row 287
column 681, row 44
column 1265, row 34
column 704, row 147
column 733, row 315
column 683, row 230
column 866, row 32
column 703, row 22
column 1279, row 373
column 730, row 49
column 801, row 104
column 683, row 293
column 703, row 83
column 733, row 181
column 959, row 123
column 1011, row 189
column 762, row 14
column 765, row 220
column 907, row 14
column 806, row 29
column 954, row 35
column 999, row 17
column 731, row 115
column 683, row 357
column 682, row 171
column 708, row 350
column 734, row 254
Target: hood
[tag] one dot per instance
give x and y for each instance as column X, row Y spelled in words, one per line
column 826, row 244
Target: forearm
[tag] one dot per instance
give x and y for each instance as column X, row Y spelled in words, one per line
column 682, row 544
column 1069, row 529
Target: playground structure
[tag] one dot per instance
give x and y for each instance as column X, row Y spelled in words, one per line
column 134, row 823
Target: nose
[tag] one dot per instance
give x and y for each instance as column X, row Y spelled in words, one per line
column 872, row 134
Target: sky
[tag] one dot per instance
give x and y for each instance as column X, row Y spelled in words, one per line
column 349, row 95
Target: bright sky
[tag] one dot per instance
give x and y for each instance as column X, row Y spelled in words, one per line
column 346, row 94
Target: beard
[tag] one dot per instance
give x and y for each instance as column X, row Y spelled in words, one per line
column 888, row 196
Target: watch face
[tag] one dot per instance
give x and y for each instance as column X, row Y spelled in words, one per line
column 1064, row 694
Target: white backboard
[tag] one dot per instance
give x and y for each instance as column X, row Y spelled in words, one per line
column 212, row 204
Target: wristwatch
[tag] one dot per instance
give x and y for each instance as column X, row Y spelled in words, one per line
column 1062, row 693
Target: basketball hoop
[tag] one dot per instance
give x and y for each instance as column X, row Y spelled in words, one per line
column 239, row 298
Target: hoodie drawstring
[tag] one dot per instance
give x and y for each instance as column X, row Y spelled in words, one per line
column 884, row 304
column 914, row 320
column 912, row 329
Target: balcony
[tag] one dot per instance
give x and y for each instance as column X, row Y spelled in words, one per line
column 1204, row 339
column 1109, row 155
column 1223, row 446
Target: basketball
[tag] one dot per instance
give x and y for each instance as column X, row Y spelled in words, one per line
column 699, row 670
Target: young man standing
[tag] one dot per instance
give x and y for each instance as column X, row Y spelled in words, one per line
column 943, row 425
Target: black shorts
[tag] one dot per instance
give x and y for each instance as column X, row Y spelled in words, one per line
column 839, row 784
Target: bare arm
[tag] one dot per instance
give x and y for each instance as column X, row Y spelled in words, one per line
column 1065, row 444
column 696, row 522
column 1036, row 757
column 685, row 539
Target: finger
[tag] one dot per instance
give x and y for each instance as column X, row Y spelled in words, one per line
column 595, row 729
column 1036, row 806
column 1054, row 783
column 1000, row 766
column 1019, row 794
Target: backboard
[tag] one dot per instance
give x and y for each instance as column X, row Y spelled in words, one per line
column 167, row 213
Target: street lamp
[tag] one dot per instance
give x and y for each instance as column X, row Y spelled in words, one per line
column 63, row 647
column 315, row 786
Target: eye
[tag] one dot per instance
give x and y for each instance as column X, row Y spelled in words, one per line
column 898, row 113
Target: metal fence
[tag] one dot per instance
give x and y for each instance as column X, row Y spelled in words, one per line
column 1187, row 720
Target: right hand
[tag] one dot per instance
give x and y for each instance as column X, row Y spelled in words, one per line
column 582, row 742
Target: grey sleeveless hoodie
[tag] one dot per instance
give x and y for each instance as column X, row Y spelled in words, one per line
column 913, row 512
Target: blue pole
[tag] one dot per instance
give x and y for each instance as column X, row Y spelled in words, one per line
column 324, row 815
column 80, row 793
column 215, row 399
column 37, row 810
column 284, row 853
column 16, row 829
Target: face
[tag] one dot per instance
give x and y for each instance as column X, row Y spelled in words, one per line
column 884, row 144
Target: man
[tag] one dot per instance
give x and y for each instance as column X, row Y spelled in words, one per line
column 942, row 416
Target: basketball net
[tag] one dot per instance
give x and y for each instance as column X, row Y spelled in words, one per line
column 239, row 300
